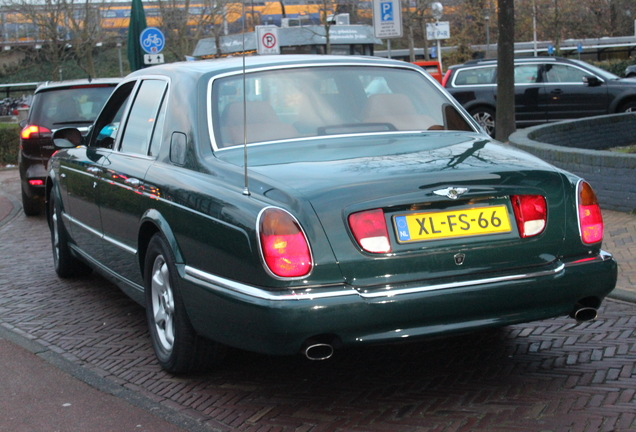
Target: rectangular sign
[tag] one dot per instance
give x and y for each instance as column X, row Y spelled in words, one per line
column 152, row 59
column 387, row 19
column 462, row 223
column 267, row 40
column 438, row 30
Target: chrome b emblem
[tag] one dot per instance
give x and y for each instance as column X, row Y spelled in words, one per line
column 451, row 192
column 459, row 258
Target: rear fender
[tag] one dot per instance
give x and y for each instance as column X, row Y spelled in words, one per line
column 152, row 222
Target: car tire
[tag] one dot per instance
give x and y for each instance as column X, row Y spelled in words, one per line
column 66, row 265
column 486, row 118
column 629, row 106
column 31, row 206
column 177, row 346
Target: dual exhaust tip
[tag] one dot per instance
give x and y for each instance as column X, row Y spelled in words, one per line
column 586, row 309
column 320, row 347
column 317, row 350
column 584, row 314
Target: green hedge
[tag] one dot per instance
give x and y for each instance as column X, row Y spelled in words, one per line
column 9, row 143
column 616, row 66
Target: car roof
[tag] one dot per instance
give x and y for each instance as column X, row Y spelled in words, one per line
column 54, row 85
column 480, row 62
column 201, row 67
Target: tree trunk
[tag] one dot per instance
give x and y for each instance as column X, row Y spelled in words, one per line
column 505, row 119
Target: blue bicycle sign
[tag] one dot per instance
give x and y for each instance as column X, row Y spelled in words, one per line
column 152, row 40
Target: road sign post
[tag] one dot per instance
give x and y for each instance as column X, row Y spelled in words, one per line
column 267, row 40
column 437, row 31
column 387, row 20
column 152, row 42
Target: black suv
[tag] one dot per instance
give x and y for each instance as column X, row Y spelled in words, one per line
column 55, row 105
column 547, row 89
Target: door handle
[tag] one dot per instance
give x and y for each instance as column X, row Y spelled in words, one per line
column 556, row 91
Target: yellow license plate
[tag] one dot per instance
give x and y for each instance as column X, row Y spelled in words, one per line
column 459, row 223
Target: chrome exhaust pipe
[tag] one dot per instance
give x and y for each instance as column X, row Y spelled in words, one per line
column 583, row 314
column 318, row 351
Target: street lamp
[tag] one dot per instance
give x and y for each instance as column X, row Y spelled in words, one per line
column 437, row 11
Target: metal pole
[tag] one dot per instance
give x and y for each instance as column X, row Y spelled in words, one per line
column 534, row 26
column 121, row 68
column 388, row 46
column 487, row 36
column 439, row 53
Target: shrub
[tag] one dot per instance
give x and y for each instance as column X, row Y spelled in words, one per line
column 9, row 143
column 615, row 66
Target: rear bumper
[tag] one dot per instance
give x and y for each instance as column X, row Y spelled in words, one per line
column 32, row 168
column 280, row 322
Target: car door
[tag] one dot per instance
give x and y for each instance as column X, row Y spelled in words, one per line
column 569, row 97
column 529, row 90
column 80, row 181
column 124, row 169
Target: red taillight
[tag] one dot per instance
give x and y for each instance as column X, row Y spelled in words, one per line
column 33, row 131
column 590, row 217
column 36, row 182
column 447, row 76
column 530, row 213
column 369, row 229
column 284, row 245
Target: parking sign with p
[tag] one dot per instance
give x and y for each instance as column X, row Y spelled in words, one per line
column 387, row 19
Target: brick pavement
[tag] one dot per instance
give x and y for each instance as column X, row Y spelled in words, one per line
column 553, row 375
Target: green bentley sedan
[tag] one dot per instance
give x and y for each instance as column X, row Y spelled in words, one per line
column 299, row 204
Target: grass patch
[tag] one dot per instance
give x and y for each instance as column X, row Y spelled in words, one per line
column 624, row 149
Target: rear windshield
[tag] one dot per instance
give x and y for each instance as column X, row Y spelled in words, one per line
column 63, row 107
column 316, row 101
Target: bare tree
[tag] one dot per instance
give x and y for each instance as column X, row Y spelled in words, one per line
column 82, row 19
column 185, row 22
column 48, row 17
column 505, row 122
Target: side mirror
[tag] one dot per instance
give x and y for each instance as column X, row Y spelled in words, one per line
column 591, row 81
column 67, row 138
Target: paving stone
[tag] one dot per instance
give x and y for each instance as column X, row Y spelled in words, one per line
column 554, row 375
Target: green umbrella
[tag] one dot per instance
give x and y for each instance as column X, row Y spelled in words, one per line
column 136, row 26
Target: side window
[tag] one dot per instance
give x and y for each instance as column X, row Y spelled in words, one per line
column 563, row 74
column 526, row 74
column 474, row 76
column 106, row 126
column 142, row 118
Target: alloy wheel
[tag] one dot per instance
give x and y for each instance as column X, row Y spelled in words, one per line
column 486, row 121
column 163, row 303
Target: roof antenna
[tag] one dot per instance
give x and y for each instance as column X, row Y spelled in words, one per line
column 246, row 190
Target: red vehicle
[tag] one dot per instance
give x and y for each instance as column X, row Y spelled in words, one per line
column 432, row 67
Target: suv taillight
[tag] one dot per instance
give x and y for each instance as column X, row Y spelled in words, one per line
column 284, row 246
column 531, row 214
column 34, row 132
column 590, row 217
column 447, row 76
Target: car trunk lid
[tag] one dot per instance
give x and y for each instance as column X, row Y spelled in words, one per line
column 461, row 180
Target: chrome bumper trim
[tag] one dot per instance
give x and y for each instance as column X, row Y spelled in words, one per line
column 221, row 284
column 419, row 289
